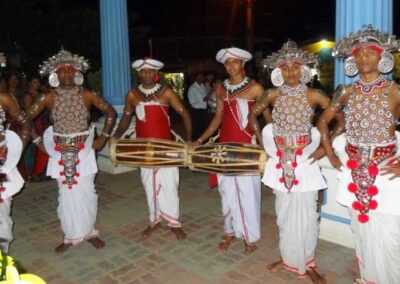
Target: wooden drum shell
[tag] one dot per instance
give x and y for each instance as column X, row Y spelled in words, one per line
column 228, row 159
column 144, row 152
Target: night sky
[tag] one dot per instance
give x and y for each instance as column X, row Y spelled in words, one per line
column 179, row 29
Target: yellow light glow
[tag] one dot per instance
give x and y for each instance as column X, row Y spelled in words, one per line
column 317, row 46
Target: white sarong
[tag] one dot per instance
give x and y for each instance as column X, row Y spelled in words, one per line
column 297, row 219
column 161, row 187
column 77, row 207
column 12, row 186
column 77, row 210
column 296, row 212
column 6, row 224
column 377, row 245
column 241, row 202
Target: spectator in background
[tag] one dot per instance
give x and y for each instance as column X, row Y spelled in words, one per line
column 197, row 96
column 39, row 157
column 209, row 79
column 212, row 98
column 3, row 85
column 13, row 83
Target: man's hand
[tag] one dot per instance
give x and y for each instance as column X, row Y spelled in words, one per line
column 335, row 162
column 393, row 169
column 3, row 154
column 318, row 154
column 42, row 148
column 99, row 143
column 195, row 143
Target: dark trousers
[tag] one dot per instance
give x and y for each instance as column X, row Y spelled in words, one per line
column 199, row 122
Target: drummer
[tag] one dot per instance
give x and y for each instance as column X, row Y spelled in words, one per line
column 240, row 195
column 289, row 142
column 150, row 101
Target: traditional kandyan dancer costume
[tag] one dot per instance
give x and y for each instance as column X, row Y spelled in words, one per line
column 11, row 181
column 366, row 147
column 72, row 160
column 289, row 141
column 240, row 195
column 160, row 184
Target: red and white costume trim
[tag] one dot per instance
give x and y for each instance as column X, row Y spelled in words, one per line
column 160, row 184
column 387, row 190
column 376, row 239
column 303, row 169
column 240, row 195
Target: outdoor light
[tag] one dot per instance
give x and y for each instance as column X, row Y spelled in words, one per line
column 2, row 60
column 324, row 44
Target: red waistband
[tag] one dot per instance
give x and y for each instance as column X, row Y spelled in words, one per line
column 298, row 141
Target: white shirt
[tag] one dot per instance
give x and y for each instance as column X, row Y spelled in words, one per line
column 196, row 94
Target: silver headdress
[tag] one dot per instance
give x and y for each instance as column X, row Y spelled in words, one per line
column 61, row 58
column 367, row 34
column 290, row 52
column 3, row 60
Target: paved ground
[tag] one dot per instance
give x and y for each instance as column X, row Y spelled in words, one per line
column 129, row 259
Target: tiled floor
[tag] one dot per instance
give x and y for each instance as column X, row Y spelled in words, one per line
column 127, row 258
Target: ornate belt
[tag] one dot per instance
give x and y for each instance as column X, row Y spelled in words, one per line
column 363, row 163
column 69, row 146
column 289, row 148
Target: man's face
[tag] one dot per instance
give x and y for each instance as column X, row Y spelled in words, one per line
column 291, row 72
column 233, row 66
column 66, row 74
column 367, row 59
column 146, row 76
column 200, row 79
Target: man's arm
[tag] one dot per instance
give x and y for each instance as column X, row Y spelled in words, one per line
column 260, row 107
column 215, row 122
column 40, row 104
column 339, row 126
column 393, row 168
column 107, row 110
column 18, row 115
column 126, row 116
column 321, row 100
column 177, row 105
column 28, row 100
column 110, row 116
column 339, row 100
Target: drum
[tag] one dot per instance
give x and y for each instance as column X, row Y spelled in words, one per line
column 150, row 153
column 227, row 159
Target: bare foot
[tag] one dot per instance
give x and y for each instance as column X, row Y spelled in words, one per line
column 225, row 243
column 358, row 281
column 150, row 229
column 315, row 277
column 179, row 233
column 61, row 248
column 275, row 266
column 249, row 248
column 97, row 242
